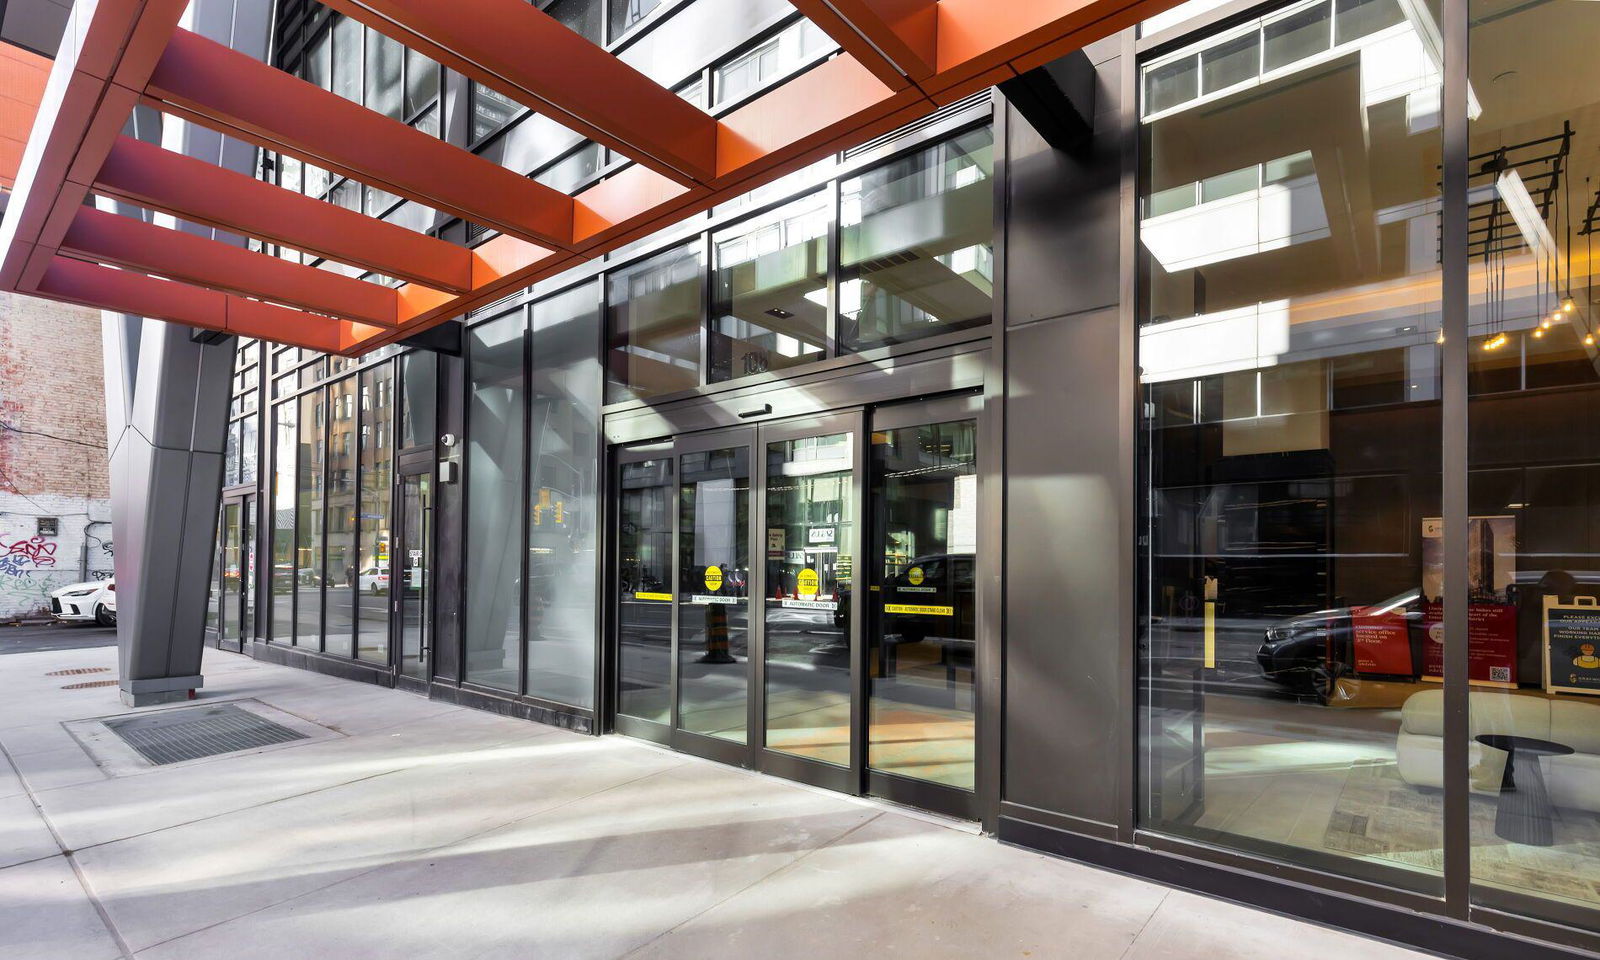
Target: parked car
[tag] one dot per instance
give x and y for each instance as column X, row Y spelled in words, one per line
column 91, row 601
column 1309, row 651
column 373, row 580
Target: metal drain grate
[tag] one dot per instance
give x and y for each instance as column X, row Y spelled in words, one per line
column 86, row 684
column 172, row 736
column 75, row 671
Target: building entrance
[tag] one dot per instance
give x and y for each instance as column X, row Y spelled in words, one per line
column 800, row 598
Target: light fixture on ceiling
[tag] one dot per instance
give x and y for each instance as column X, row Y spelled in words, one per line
column 1568, row 305
column 1496, row 342
column 1588, row 339
column 1538, row 333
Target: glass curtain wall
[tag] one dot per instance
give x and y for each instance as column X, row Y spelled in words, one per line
column 495, row 462
column 653, row 319
column 1289, row 359
column 342, row 568
column 374, row 575
column 770, row 289
column 563, row 458
column 917, row 244
column 308, row 522
column 280, row 626
column 1534, row 473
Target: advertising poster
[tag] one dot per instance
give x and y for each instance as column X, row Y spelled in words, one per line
column 1571, row 646
column 1491, row 618
column 1381, row 640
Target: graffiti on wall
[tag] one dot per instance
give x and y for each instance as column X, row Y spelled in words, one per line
column 34, row 564
column 20, row 556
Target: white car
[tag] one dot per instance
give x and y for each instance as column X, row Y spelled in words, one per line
column 373, row 580
column 94, row 601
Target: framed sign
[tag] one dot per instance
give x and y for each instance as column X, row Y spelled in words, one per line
column 1572, row 646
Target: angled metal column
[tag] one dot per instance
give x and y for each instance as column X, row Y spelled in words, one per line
column 167, row 394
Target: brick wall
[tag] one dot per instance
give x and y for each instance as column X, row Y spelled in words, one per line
column 52, row 452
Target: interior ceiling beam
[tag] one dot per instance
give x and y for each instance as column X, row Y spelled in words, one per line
column 230, row 92
column 137, row 245
column 199, row 192
column 124, row 291
column 895, row 39
column 524, row 53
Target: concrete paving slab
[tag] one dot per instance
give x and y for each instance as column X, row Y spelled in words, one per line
column 23, row 833
column 1190, row 927
column 45, row 915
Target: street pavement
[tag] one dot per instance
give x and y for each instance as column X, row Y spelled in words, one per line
column 39, row 638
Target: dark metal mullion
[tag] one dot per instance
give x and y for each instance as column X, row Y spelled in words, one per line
column 835, row 234
column 674, row 505
column 527, row 498
column 858, row 620
column 355, row 530
column 756, row 604
column 605, row 552
column 708, row 283
column 322, row 572
column 1453, row 465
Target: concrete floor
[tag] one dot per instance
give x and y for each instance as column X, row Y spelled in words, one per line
column 426, row 830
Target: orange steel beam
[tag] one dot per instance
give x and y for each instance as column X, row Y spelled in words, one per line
column 228, row 91
column 126, row 292
column 524, row 53
column 125, row 242
column 203, row 193
column 895, row 39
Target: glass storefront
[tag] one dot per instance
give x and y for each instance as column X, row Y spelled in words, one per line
column 495, row 461
column 1289, row 328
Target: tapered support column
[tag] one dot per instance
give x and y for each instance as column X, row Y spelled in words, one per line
column 167, row 396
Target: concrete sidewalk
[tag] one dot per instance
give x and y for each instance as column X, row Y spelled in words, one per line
column 426, row 830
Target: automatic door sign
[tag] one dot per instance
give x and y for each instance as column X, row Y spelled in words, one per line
column 806, row 583
column 915, row 576
column 713, row 578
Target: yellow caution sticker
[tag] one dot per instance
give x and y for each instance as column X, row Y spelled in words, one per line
column 924, row 609
column 652, row 596
column 806, row 583
column 915, row 576
column 1211, row 635
column 713, row 578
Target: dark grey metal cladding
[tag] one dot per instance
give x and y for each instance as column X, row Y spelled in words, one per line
column 1069, row 472
column 449, row 527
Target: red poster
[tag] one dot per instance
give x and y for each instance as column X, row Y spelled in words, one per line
column 1380, row 642
column 1491, row 643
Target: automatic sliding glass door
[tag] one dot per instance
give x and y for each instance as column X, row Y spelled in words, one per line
column 644, row 518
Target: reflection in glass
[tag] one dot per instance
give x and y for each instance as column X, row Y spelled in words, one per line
column 412, row 576
column 562, row 523
column 917, row 244
column 1533, row 537
column 419, row 378
column 422, row 82
column 374, row 577
column 231, row 564
column 280, row 628
column 308, row 523
column 342, row 561
column 713, row 594
column 653, row 311
column 811, row 516
column 494, row 466
column 644, row 590
column 491, row 110
column 923, row 637
column 385, row 62
column 770, row 310
column 773, row 57
column 1289, row 361
column 247, row 567
column 626, row 13
column 583, row 17
column 347, row 40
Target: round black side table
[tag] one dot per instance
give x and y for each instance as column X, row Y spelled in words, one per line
column 1524, row 813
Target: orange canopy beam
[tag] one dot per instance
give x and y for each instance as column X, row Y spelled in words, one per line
column 895, row 39
column 125, row 242
column 230, row 92
column 200, row 192
column 124, row 291
column 524, row 53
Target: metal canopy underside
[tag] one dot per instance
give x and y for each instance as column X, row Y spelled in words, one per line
column 901, row 60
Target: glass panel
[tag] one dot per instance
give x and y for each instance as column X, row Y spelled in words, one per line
column 564, row 515
column 771, row 290
column 768, row 60
column 1232, row 61
column 626, row 13
column 1533, row 537
column 1296, row 37
column 247, row 579
column 917, row 253
column 422, row 82
column 248, row 454
column 308, row 529
column 1171, row 84
column 644, row 584
column 315, row 67
column 583, row 17
column 347, row 41
column 417, row 599
column 713, row 592
column 653, row 311
column 217, row 591
column 923, row 643
column 1354, row 19
column 385, row 61
column 281, row 626
column 811, row 517
column 374, row 579
column 491, row 110
column 495, row 461
column 573, row 169
column 419, row 378
column 1288, row 351
column 344, row 563
column 230, row 456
